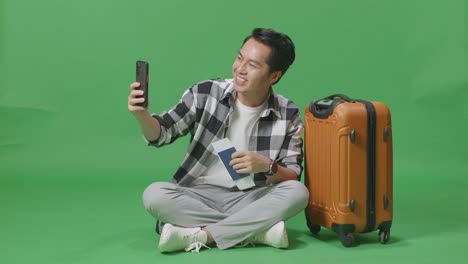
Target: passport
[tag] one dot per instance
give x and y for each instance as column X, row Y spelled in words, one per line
column 224, row 148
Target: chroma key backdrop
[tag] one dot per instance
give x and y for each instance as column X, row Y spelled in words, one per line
column 73, row 163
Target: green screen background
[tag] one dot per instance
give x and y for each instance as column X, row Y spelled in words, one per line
column 73, row 163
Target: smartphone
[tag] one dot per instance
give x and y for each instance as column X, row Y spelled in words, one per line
column 142, row 71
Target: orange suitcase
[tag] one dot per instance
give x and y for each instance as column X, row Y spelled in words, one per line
column 349, row 167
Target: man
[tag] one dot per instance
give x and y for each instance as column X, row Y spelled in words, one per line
column 203, row 205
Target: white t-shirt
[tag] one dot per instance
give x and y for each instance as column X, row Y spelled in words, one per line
column 243, row 121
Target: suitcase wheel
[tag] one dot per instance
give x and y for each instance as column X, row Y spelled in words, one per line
column 347, row 239
column 384, row 236
column 314, row 228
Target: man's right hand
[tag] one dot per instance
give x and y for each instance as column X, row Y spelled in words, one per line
column 149, row 126
column 134, row 99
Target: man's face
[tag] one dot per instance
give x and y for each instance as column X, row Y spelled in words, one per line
column 250, row 70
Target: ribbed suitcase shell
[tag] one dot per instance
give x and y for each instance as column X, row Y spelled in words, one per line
column 336, row 172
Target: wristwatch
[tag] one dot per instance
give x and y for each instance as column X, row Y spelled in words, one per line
column 273, row 169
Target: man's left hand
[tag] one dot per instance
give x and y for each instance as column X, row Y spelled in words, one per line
column 249, row 162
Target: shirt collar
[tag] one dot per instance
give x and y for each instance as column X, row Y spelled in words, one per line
column 272, row 105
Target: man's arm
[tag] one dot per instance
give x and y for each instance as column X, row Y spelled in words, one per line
column 253, row 162
column 283, row 174
column 149, row 125
column 292, row 154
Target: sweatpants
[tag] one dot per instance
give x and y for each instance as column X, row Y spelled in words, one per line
column 231, row 216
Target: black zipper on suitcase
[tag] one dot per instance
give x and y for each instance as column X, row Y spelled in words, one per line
column 371, row 165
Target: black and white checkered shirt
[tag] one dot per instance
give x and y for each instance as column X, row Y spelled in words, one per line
column 204, row 111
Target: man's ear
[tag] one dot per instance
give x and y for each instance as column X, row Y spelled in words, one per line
column 275, row 76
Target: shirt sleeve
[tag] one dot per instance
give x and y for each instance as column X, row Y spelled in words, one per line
column 176, row 122
column 291, row 155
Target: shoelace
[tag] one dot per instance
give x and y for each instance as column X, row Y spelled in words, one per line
column 245, row 243
column 251, row 241
column 195, row 247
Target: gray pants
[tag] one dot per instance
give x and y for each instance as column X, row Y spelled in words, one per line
column 231, row 216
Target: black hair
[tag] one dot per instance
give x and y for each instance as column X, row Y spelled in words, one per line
column 282, row 48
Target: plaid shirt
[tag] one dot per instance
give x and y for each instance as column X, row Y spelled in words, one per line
column 204, row 111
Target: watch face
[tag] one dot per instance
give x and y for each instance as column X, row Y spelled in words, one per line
column 274, row 167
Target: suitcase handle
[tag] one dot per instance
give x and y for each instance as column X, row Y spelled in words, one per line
column 323, row 108
column 341, row 96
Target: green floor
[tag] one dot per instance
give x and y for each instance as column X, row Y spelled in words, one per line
column 95, row 215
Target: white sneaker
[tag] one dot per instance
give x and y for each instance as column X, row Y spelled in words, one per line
column 174, row 238
column 276, row 236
